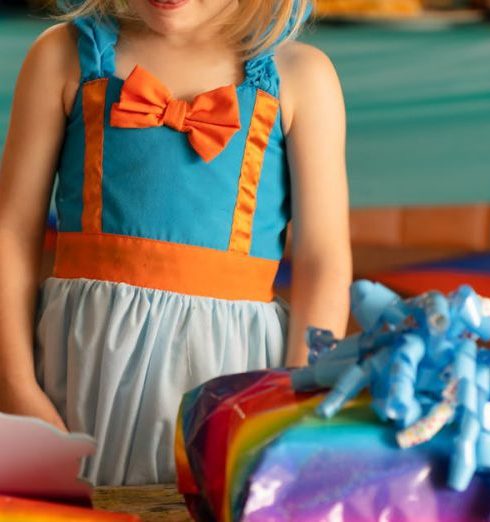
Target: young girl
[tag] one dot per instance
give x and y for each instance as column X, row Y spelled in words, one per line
column 185, row 134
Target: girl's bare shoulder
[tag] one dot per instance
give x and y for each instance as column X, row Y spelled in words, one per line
column 306, row 73
column 300, row 61
column 52, row 62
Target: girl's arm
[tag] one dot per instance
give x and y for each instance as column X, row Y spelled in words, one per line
column 314, row 122
column 26, row 177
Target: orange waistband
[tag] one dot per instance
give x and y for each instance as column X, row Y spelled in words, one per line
column 161, row 265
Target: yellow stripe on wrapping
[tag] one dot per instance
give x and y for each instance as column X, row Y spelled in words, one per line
column 263, row 118
column 93, row 103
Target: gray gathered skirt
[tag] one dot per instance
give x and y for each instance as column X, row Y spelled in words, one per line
column 115, row 360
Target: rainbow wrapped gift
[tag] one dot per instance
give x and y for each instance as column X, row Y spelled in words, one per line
column 249, row 449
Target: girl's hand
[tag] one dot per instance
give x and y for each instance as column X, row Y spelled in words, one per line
column 30, row 401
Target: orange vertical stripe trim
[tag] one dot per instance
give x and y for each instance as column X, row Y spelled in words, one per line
column 93, row 102
column 263, row 118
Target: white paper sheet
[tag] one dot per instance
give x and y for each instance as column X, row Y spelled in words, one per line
column 38, row 460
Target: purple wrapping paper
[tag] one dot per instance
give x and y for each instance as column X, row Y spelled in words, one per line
column 352, row 471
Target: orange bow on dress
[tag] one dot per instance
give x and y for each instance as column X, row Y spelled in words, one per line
column 210, row 120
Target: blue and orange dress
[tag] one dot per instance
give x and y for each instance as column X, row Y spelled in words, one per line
column 172, row 220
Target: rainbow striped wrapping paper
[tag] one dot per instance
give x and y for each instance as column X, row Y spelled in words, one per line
column 249, row 449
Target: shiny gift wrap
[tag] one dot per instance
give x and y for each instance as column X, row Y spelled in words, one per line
column 249, row 449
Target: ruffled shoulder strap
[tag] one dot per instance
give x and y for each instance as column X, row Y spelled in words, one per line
column 261, row 70
column 96, row 41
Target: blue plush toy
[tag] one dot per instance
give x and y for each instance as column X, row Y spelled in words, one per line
column 420, row 359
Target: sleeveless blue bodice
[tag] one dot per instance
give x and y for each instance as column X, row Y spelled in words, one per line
column 154, row 185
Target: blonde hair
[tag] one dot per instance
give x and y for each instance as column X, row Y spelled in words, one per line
column 253, row 27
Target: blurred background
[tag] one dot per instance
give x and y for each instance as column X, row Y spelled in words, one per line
column 416, row 79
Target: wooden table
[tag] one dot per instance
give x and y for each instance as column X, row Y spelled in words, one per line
column 151, row 503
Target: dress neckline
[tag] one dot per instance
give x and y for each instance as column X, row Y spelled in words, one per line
column 123, row 81
column 98, row 39
column 116, row 28
column 138, row 68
